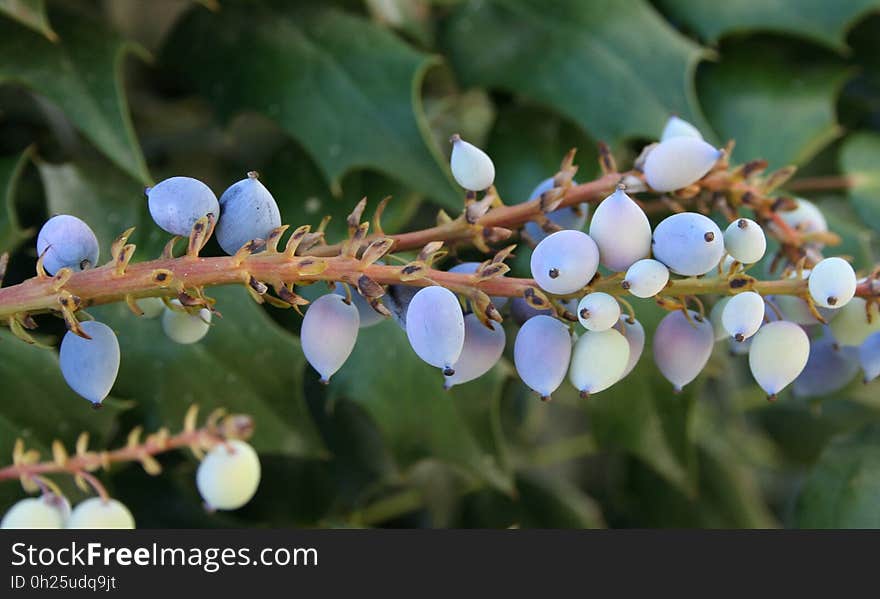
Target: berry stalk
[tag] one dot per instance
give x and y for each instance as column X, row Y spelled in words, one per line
column 104, row 285
column 218, row 429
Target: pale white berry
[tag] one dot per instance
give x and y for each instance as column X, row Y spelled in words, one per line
column 435, row 327
column 806, row 217
column 90, row 366
column 634, row 332
column 598, row 361
column 743, row 315
column 100, row 513
column 682, row 346
column 182, row 327
column 598, row 311
column 621, row 231
column 678, row 162
column 778, row 353
column 688, row 243
column 678, row 127
column 229, row 475
column 47, row 511
column 328, row 334
column 850, row 326
column 646, row 278
column 541, row 353
column 744, row 240
column 832, row 283
column 471, row 166
column 564, row 262
column 483, row 346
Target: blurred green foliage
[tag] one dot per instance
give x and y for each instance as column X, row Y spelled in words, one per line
column 335, row 100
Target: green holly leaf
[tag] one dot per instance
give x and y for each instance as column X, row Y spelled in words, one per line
column 587, row 61
column 859, row 157
column 11, row 233
column 815, row 20
column 842, row 489
column 343, row 87
column 775, row 108
column 246, row 364
column 30, row 13
column 418, row 419
column 82, row 75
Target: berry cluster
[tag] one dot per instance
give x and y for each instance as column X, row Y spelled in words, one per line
column 452, row 316
column 563, row 264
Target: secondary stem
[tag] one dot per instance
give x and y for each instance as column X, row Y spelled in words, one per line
column 154, row 444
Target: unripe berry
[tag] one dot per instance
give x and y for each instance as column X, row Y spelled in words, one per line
column 185, row 328
column 67, row 242
column 47, row 511
column 565, row 262
column 678, row 127
column 678, row 162
column 99, row 513
column 778, row 354
column 329, row 332
column 248, row 212
column 621, row 231
column 177, row 203
column 435, row 327
column 832, row 283
column 598, row 311
column 471, row 166
column 90, row 366
column 229, row 475
column 744, row 240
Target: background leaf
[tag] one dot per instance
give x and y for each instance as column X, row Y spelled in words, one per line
column 11, row 233
column 343, row 88
column 417, row 418
column 755, row 82
column 82, row 75
column 581, row 59
column 842, row 490
column 31, row 13
column 39, row 407
column 858, row 160
column 815, row 20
